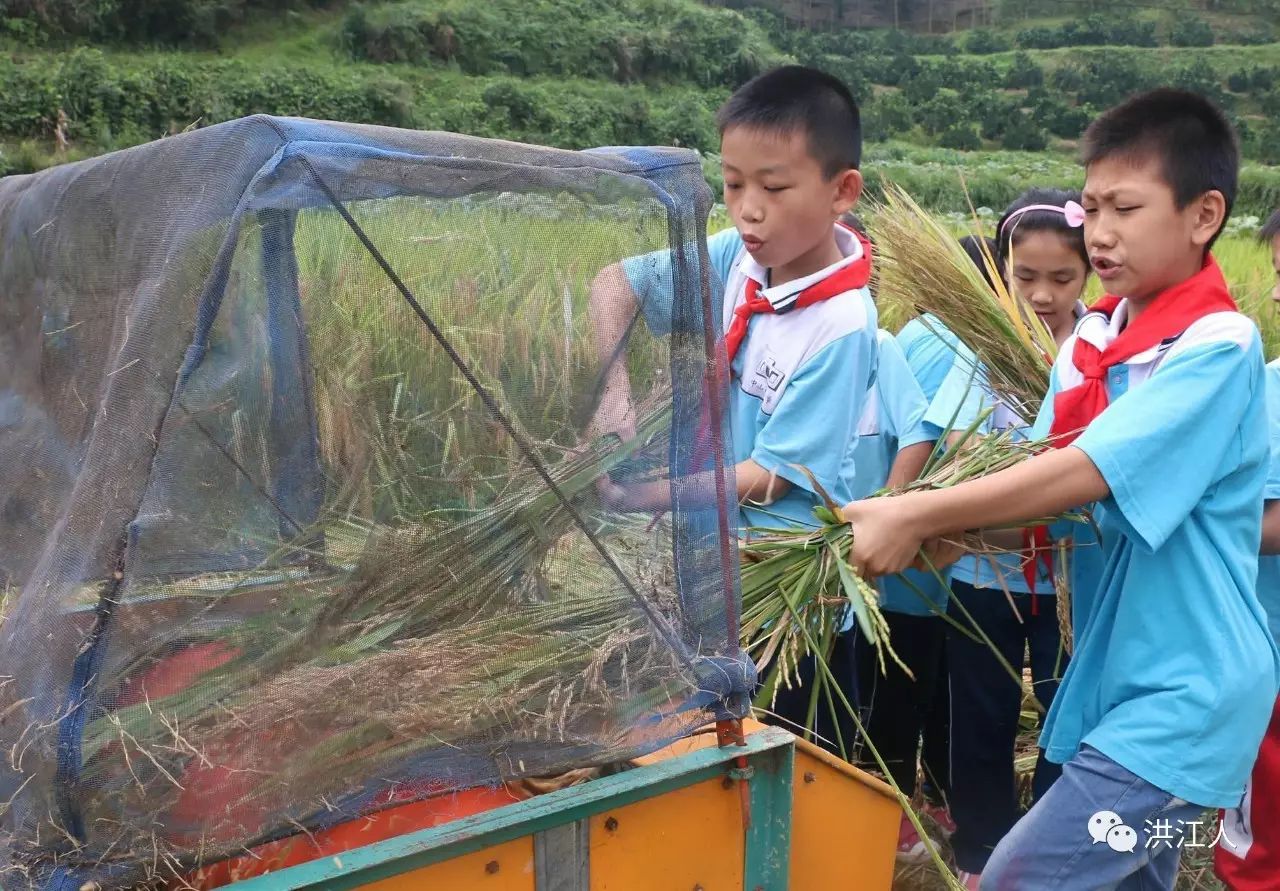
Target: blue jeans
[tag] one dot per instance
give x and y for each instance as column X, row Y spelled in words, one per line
column 1055, row 846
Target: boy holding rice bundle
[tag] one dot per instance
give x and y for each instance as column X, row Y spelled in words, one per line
column 798, row 325
column 1158, row 403
column 1248, row 859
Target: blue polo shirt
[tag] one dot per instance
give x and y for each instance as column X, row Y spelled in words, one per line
column 894, row 420
column 1174, row 674
column 801, row 377
column 932, row 351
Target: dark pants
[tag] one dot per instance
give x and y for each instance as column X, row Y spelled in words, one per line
column 896, row 709
column 790, row 709
column 985, row 707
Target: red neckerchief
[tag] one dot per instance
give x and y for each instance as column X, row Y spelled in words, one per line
column 1169, row 315
column 851, row 277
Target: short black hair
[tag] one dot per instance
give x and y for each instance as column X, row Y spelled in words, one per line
column 1008, row 234
column 1271, row 228
column 793, row 98
column 973, row 245
column 1192, row 139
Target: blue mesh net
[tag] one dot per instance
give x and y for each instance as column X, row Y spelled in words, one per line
column 300, row 463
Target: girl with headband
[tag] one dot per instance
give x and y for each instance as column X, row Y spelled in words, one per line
column 1040, row 251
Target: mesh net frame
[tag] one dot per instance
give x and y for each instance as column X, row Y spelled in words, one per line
column 298, row 503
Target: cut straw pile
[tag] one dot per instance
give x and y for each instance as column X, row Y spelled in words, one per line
column 923, row 271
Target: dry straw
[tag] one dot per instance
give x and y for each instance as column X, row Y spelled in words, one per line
column 923, row 271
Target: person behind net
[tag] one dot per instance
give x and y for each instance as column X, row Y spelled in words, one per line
column 1158, row 408
column 798, row 327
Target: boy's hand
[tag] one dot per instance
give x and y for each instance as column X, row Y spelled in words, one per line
column 885, row 538
column 938, row 554
column 611, row 495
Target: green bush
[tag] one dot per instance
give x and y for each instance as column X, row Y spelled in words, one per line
column 1023, row 73
column 1200, row 77
column 1257, row 34
column 1093, row 30
column 1059, row 118
column 941, row 112
column 1188, row 30
column 176, row 22
column 661, row 41
column 29, row 99
column 983, row 42
column 996, row 119
column 1023, row 134
column 886, row 116
column 960, row 136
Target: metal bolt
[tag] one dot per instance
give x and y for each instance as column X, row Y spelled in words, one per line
column 726, row 783
column 809, row 777
column 491, row 867
column 611, row 824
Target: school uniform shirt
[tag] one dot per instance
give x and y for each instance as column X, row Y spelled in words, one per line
column 1174, row 673
column 1269, row 566
column 892, row 420
column 800, row 378
column 932, row 350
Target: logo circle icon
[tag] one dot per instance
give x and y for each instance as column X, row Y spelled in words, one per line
column 1101, row 823
column 1122, row 839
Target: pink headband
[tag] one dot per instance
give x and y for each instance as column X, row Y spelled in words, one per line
column 1072, row 212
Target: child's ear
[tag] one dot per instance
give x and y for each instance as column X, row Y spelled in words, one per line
column 848, row 189
column 1209, row 212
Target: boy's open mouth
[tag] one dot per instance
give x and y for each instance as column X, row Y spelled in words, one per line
column 1105, row 266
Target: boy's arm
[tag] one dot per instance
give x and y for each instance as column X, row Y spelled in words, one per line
column 1183, row 424
column 908, row 464
column 754, row 484
column 612, row 306
column 888, row 532
column 1270, row 529
column 643, row 285
column 906, row 406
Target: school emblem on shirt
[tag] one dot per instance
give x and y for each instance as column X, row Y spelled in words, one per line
column 768, row 375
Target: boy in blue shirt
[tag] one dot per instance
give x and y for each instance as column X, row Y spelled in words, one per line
column 1159, row 403
column 798, row 325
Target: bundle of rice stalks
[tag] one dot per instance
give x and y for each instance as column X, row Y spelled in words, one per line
column 797, row 583
column 923, row 271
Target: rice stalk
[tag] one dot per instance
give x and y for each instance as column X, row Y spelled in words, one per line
column 923, row 271
column 797, row 583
